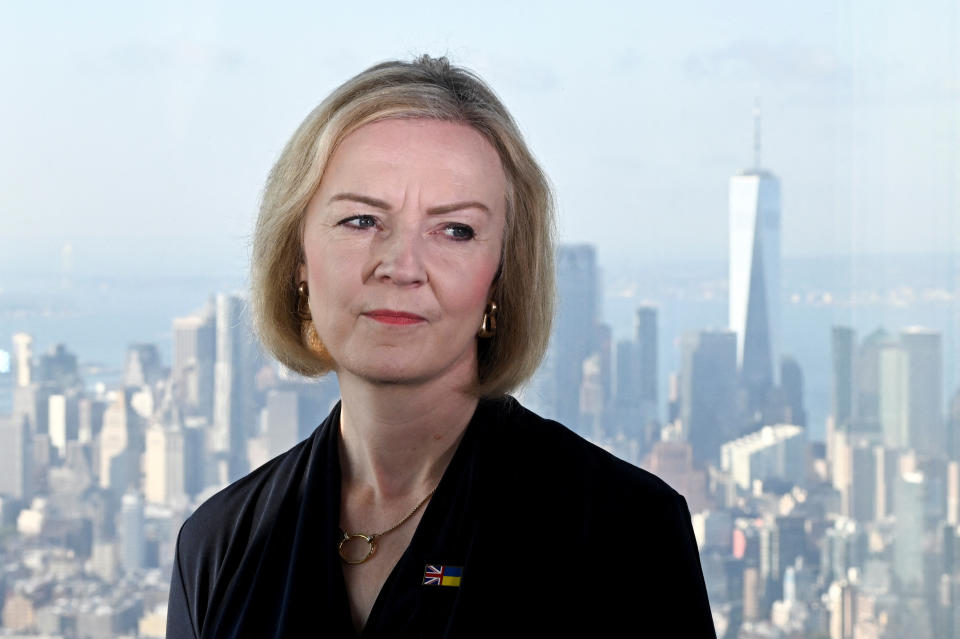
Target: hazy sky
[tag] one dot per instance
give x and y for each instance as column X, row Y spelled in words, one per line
column 142, row 133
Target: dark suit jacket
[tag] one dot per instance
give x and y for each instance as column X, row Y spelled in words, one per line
column 552, row 536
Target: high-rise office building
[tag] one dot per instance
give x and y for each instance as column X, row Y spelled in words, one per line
column 785, row 541
column 844, row 547
column 132, row 537
column 887, row 462
column 121, row 442
column 672, row 461
column 909, row 531
column 860, row 497
column 194, row 358
column 841, row 602
column 292, row 415
column 58, row 368
column 791, row 390
column 143, row 367
column 635, row 395
column 33, row 402
column 603, row 348
column 23, row 358
column 647, row 370
column 590, row 421
column 773, row 452
column 63, row 420
column 165, row 465
column 16, row 457
column 754, row 280
column 708, row 391
column 843, row 344
column 233, row 385
column 195, row 461
column 625, row 397
column 893, row 393
column 925, row 390
column 89, row 418
column 867, row 379
column 752, row 591
column 953, row 431
column 555, row 390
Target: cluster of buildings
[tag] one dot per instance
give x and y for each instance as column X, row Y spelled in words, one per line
column 95, row 483
column 852, row 538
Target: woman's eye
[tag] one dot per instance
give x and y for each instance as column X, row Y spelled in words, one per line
column 359, row 221
column 458, row 231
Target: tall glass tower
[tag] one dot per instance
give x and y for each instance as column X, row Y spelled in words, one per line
column 754, row 305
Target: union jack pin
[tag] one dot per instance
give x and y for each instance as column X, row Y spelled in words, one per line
column 442, row 575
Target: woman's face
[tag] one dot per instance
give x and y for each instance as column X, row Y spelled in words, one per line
column 402, row 240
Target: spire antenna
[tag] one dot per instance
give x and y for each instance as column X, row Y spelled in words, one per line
column 756, row 133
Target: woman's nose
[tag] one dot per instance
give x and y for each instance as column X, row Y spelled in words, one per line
column 399, row 257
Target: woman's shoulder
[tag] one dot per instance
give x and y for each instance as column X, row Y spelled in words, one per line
column 233, row 516
column 591, row 513
column 217, row 537
column 548, row 449
column 252, row 493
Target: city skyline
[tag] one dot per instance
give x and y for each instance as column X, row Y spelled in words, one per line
column 769, row 556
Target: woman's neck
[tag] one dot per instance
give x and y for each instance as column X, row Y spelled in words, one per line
column 397, row 440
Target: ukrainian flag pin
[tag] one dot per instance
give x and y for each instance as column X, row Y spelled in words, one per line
column 434, row 575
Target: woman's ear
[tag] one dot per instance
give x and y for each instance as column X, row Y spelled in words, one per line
column 302, row 273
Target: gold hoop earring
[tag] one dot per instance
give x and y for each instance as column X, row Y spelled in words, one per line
column 488, row 325
column 308, row 332
column 303, row 308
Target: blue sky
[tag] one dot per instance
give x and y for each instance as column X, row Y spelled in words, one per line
column 141, row 133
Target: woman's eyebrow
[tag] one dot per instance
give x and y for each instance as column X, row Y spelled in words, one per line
column 385, row 206
column 456, row 206
column 362, row 199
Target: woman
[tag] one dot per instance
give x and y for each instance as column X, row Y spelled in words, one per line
column 404, row 242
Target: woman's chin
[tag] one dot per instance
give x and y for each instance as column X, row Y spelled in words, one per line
column 385, row 374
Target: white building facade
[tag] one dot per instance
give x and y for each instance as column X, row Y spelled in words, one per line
column 754, row 277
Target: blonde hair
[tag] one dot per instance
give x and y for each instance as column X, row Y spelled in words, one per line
column 424, row 88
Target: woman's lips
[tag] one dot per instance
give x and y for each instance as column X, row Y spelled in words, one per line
column 394, row 317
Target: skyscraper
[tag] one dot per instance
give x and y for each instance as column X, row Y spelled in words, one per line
column 754, row 278
column 909, row 531
column 953, row 431
column 164, row 464
column 133, row 550
column 646, row 354
column 791, row 386
column 143, row 365
column 773, row 452
column 194, row 357
column 58, row 367
column 925, row 390
column 22, row 357
column 555, row 389
column 16, row 457
column 291, row 415
column 121, row 442
column 63, row 420
column 635, row 400
column 233, row 385
column 867, row 379
column 707, row 391
column 893, row 397
column 843, row 347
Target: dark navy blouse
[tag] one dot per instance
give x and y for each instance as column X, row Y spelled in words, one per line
column 532, row 531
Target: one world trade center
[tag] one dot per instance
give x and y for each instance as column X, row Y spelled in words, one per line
column 754, row 303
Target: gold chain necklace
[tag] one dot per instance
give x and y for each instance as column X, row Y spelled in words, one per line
column 371, row 539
